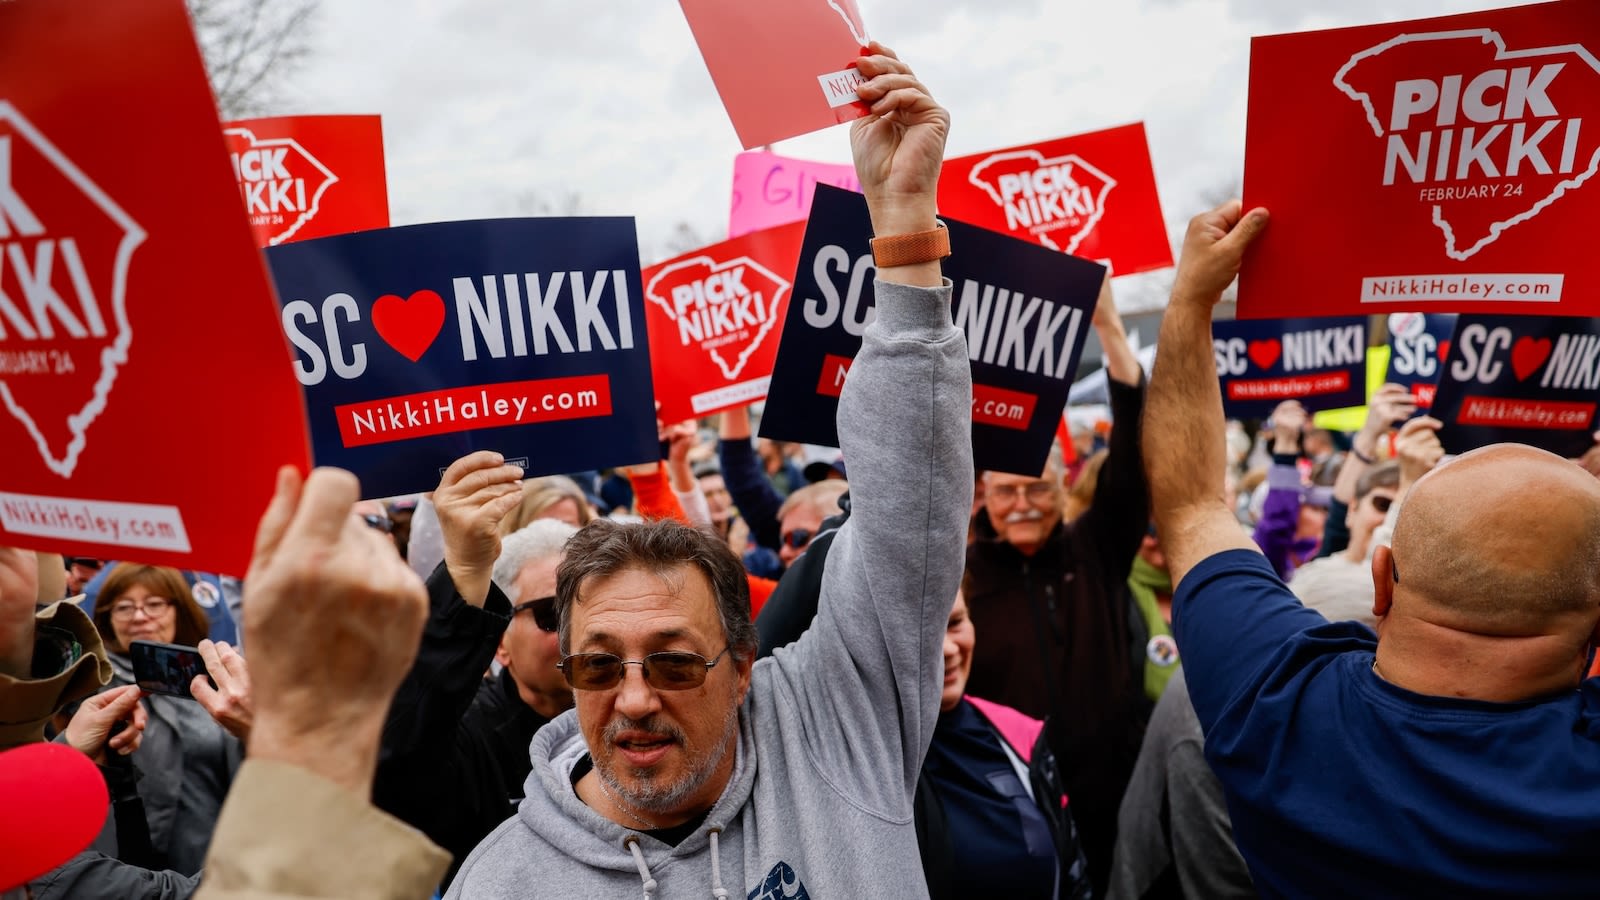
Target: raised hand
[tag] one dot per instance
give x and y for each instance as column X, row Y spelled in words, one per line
column 476, row 492
column 1213, row 250
column 899, row 147
column 333, row 618
column 1418, row 449
column 1288, row 420
column 19, row 592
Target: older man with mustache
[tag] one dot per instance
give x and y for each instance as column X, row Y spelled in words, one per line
column 1048, row 597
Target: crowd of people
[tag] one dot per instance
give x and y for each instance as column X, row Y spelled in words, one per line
column 1183, row 660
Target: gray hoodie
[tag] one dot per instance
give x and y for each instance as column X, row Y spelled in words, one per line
column 835, row 726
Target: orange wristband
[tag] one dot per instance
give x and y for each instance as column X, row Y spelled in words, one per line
column 910, row 249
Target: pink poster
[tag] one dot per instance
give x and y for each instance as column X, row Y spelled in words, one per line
column 771, row 190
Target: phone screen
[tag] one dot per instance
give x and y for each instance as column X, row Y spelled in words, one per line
column 165, row 668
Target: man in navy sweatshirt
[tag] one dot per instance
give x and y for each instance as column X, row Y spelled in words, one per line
column 1456, row 752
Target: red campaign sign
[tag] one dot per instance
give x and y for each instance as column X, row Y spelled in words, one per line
column 782, row 69
column 1439, row 164
column 991, row 405
column 1092, row 195
column 143, row 417
column 307, row 177
column 715, row 316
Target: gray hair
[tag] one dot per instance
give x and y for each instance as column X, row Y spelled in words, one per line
column 539, row 540
column 661, row 547
column 822, row 497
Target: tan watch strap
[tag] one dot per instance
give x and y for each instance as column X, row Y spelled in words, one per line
column 910, row 249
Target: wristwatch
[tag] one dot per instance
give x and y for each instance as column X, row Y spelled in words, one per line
column 910, row 249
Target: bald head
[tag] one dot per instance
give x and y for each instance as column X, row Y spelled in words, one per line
column 1504, row 540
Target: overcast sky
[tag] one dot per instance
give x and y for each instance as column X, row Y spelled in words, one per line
column 509, row 107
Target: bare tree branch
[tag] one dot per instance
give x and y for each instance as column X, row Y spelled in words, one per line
column 249, row 46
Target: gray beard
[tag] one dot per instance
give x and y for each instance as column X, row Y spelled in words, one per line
column 653, row 796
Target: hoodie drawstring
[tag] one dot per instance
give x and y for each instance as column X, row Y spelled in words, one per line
column 632, row 843
column 717, row 890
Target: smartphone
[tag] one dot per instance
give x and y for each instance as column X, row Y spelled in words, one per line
column 166, row 668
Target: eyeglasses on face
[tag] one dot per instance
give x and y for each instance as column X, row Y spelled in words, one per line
column 379, row 521
column 544, row 613
column 798, row 539
column 1381, row 503
column 667, row 670
column 154, row 607
column 1035, row 491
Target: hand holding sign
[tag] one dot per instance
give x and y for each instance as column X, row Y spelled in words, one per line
column 1418, row 449
column 1213, row 250
column 1390, row 405
column 1288, row 420
column 475, row 494
column 899, row 148
column 1590, row 460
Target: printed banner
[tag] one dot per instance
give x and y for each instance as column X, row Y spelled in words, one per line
column 1529, row 380
column 305, row 177
column 147, row 405
column 1418, row 345
column 1025, row 310
column 782, row 69
column 771, row 190
column 1092, row 195
column 1320, row 362
column 1435, row 165
column 714, row 317
column 418, row 345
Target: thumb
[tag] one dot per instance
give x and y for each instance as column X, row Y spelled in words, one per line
column 1248, row 229
column 118, row 703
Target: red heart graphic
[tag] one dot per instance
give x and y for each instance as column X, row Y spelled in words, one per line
column 1265, row 353
column 409, row 325
column 1527, row 355
column 1444, row 350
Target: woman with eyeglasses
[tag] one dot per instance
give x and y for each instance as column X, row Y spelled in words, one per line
column 187, row 761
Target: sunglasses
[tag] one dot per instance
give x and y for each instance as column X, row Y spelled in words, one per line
column 798, row 539
column 1381, row 503
column 668, row 670
column 379, row 521
column 544, row 613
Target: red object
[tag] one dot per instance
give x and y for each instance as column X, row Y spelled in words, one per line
column 1442, row 164
column 1092, row 195
column 782, row 69
column 309, row 176
column 148, row 397
column 56, row 804
column 715, row 316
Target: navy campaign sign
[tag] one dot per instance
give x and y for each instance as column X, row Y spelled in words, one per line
column 1418, row 344
column 1525, row 379
column 420, row 344
column 1025, row 310
column 1263, row 362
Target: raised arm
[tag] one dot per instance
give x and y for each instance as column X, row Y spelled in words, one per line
column 869, row 673
column 1184, row 452
column 1120, row 512
column 756, row 499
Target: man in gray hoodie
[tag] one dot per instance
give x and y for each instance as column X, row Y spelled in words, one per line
column 688, row 769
